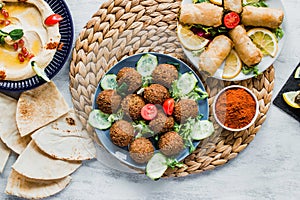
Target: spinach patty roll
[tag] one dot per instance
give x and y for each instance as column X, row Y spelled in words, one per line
column 260, row 16
column 233, row 5
column 205, row 14
column 244, row 46
column 216, row 52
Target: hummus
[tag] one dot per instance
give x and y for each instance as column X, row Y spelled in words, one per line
column 28, row 15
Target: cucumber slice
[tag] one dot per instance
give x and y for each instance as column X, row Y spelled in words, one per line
column 146, row 64
column 39, row 71
column 99, row 120
column 202, row 129
column 109, row 81
column 186, row 83
column 156, row 166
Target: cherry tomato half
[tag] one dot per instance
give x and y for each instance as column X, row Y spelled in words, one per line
column 149, row 111
column 231, row 20
column 168, row 106
column 53, row 19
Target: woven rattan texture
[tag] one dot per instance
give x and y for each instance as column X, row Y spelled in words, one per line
column 121, row 28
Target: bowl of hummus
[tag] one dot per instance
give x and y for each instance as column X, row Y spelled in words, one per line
column 26, row 37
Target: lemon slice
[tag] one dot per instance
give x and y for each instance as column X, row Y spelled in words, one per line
column 217, row 2
column 189, row 40
column 264, row 40
column 297, row 73
column 289, row 98
column 233, row 65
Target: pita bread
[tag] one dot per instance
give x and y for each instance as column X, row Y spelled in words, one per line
column 14, row 141
column 65, row 139
column 4, row 154
column 9, row 132
column 38, row 107
column 33, row 163
column 21, row 186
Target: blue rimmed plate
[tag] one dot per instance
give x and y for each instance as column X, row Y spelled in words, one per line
column 66, row 30
column 122, row 153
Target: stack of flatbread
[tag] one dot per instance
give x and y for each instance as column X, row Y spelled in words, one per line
column 49, row 138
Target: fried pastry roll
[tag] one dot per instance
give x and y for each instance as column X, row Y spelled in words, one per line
column 260, row 16
column 244, row 46
column 212, row 58
column 233, row 5
column 203, row 13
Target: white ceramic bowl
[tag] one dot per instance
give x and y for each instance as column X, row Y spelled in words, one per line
column 256, row 110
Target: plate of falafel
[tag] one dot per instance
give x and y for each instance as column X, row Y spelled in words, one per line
column 150, row 103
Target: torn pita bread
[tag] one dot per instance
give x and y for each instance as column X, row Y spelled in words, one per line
column 15, row 142
column 8, row 128
column 38, row 107
column 35, row 164
column 21, row 186
column 65, row 139
column 4, row 154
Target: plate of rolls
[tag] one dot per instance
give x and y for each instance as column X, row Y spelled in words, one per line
column 231, row 39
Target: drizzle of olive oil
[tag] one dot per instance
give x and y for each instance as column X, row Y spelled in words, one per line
column 28, row 13
column 9, row 58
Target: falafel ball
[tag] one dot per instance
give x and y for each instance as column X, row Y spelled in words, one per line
column 121, row 133
column 184, row 109
column 141, row 150
column 132, row 105
column 156, row 94
column 171, row 143
column 108, row 101
column 161, row 123
column 131, row 77
column 165, row 74
column 123, row 71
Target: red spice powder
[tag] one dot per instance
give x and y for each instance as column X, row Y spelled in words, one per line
column 2, row 75
column 52, row 45
column 235, row 108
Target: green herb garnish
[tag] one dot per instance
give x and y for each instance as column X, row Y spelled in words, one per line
column 146, row 80
column 116, row 116
column 279, row 33
column 213, row 31
column 15, row 34
column 141, row 129
column 260, row 3
column 171, row 162
column 247, row 70
column 200, row 1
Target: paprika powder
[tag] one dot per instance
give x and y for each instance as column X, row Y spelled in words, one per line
column 235, row 108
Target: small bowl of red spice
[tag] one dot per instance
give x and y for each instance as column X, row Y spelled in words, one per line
column 235, row 108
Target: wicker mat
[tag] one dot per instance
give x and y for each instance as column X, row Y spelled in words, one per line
column 121, row 28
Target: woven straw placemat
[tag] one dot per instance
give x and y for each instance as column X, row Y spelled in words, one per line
column 121, row 28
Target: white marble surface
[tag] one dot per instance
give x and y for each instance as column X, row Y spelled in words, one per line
column 269, row 168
